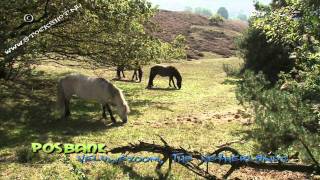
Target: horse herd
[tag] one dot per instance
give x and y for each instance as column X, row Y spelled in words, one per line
column 104, row 92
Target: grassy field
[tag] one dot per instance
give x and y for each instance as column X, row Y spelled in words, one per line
column 200, row 116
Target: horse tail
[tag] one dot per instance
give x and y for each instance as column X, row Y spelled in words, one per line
column 61, row 98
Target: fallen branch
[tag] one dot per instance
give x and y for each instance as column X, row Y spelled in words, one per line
column 167, row 152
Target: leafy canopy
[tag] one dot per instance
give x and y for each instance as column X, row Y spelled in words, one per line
column 103, row 32
column 286, row 120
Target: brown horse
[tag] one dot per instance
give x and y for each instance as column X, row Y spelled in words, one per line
column 137, row 73
column 165, row 71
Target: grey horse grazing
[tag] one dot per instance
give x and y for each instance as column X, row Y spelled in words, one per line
column 165, row 71
column 92, row 88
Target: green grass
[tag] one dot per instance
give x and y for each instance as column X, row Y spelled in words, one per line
column 182, row 117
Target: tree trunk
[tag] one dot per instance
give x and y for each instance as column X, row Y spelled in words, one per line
column 2, row 72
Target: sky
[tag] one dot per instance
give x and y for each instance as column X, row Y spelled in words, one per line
column 233, row 6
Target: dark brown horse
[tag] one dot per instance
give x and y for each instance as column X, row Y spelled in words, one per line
column 137, row 73
column 165, row 71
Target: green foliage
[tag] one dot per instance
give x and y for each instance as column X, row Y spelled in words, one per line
column 242, row 17
column 260, row 55
column 282, row 119
column 179, row 45
column 203, row 11
column 222, row 11
column 79, row 172
column 25, row 155
column 287, row 119
column 231, row 70
column 216, row 19
column 102, row 32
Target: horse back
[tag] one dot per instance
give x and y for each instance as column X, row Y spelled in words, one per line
column 164, row 70
column 88, row 88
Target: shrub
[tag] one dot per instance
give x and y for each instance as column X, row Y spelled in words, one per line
column 231, row 70
column 289, row 119
column 261, row 55
column 25, row 155
column 200, row 54
column 216, row 20
column 282, row 119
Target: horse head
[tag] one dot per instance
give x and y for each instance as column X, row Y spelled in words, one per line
column 179, row 83
column 122, row 107
column 179, row 80
column 123, row 111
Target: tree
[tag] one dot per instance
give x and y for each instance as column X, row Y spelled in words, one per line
column 286, row 120
column 261, row 55
column 179, row 45
column 102, row 32
column 242, row 17
column 279, row 3
column 203, row 11
column 222, row 11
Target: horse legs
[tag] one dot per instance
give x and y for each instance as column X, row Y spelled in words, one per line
column 174, row 85
column 134, row 75
column 66, row 108
column 123, row 74
column 120, row 69
column 104, row 116
column 140, row 72
column 171, row 79
column 110, row 112
column 152, row 76
column 118, row 73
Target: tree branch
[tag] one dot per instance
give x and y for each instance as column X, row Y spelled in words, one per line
column 167, row 152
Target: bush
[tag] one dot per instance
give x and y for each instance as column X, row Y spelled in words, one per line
column 25, row 155
column 261, row 55
column 231, row 70
column 282, row 119
column 287, row 119
column 216, row 20
column 200, row 54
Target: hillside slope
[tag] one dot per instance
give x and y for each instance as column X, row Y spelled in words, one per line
column 201, row 37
